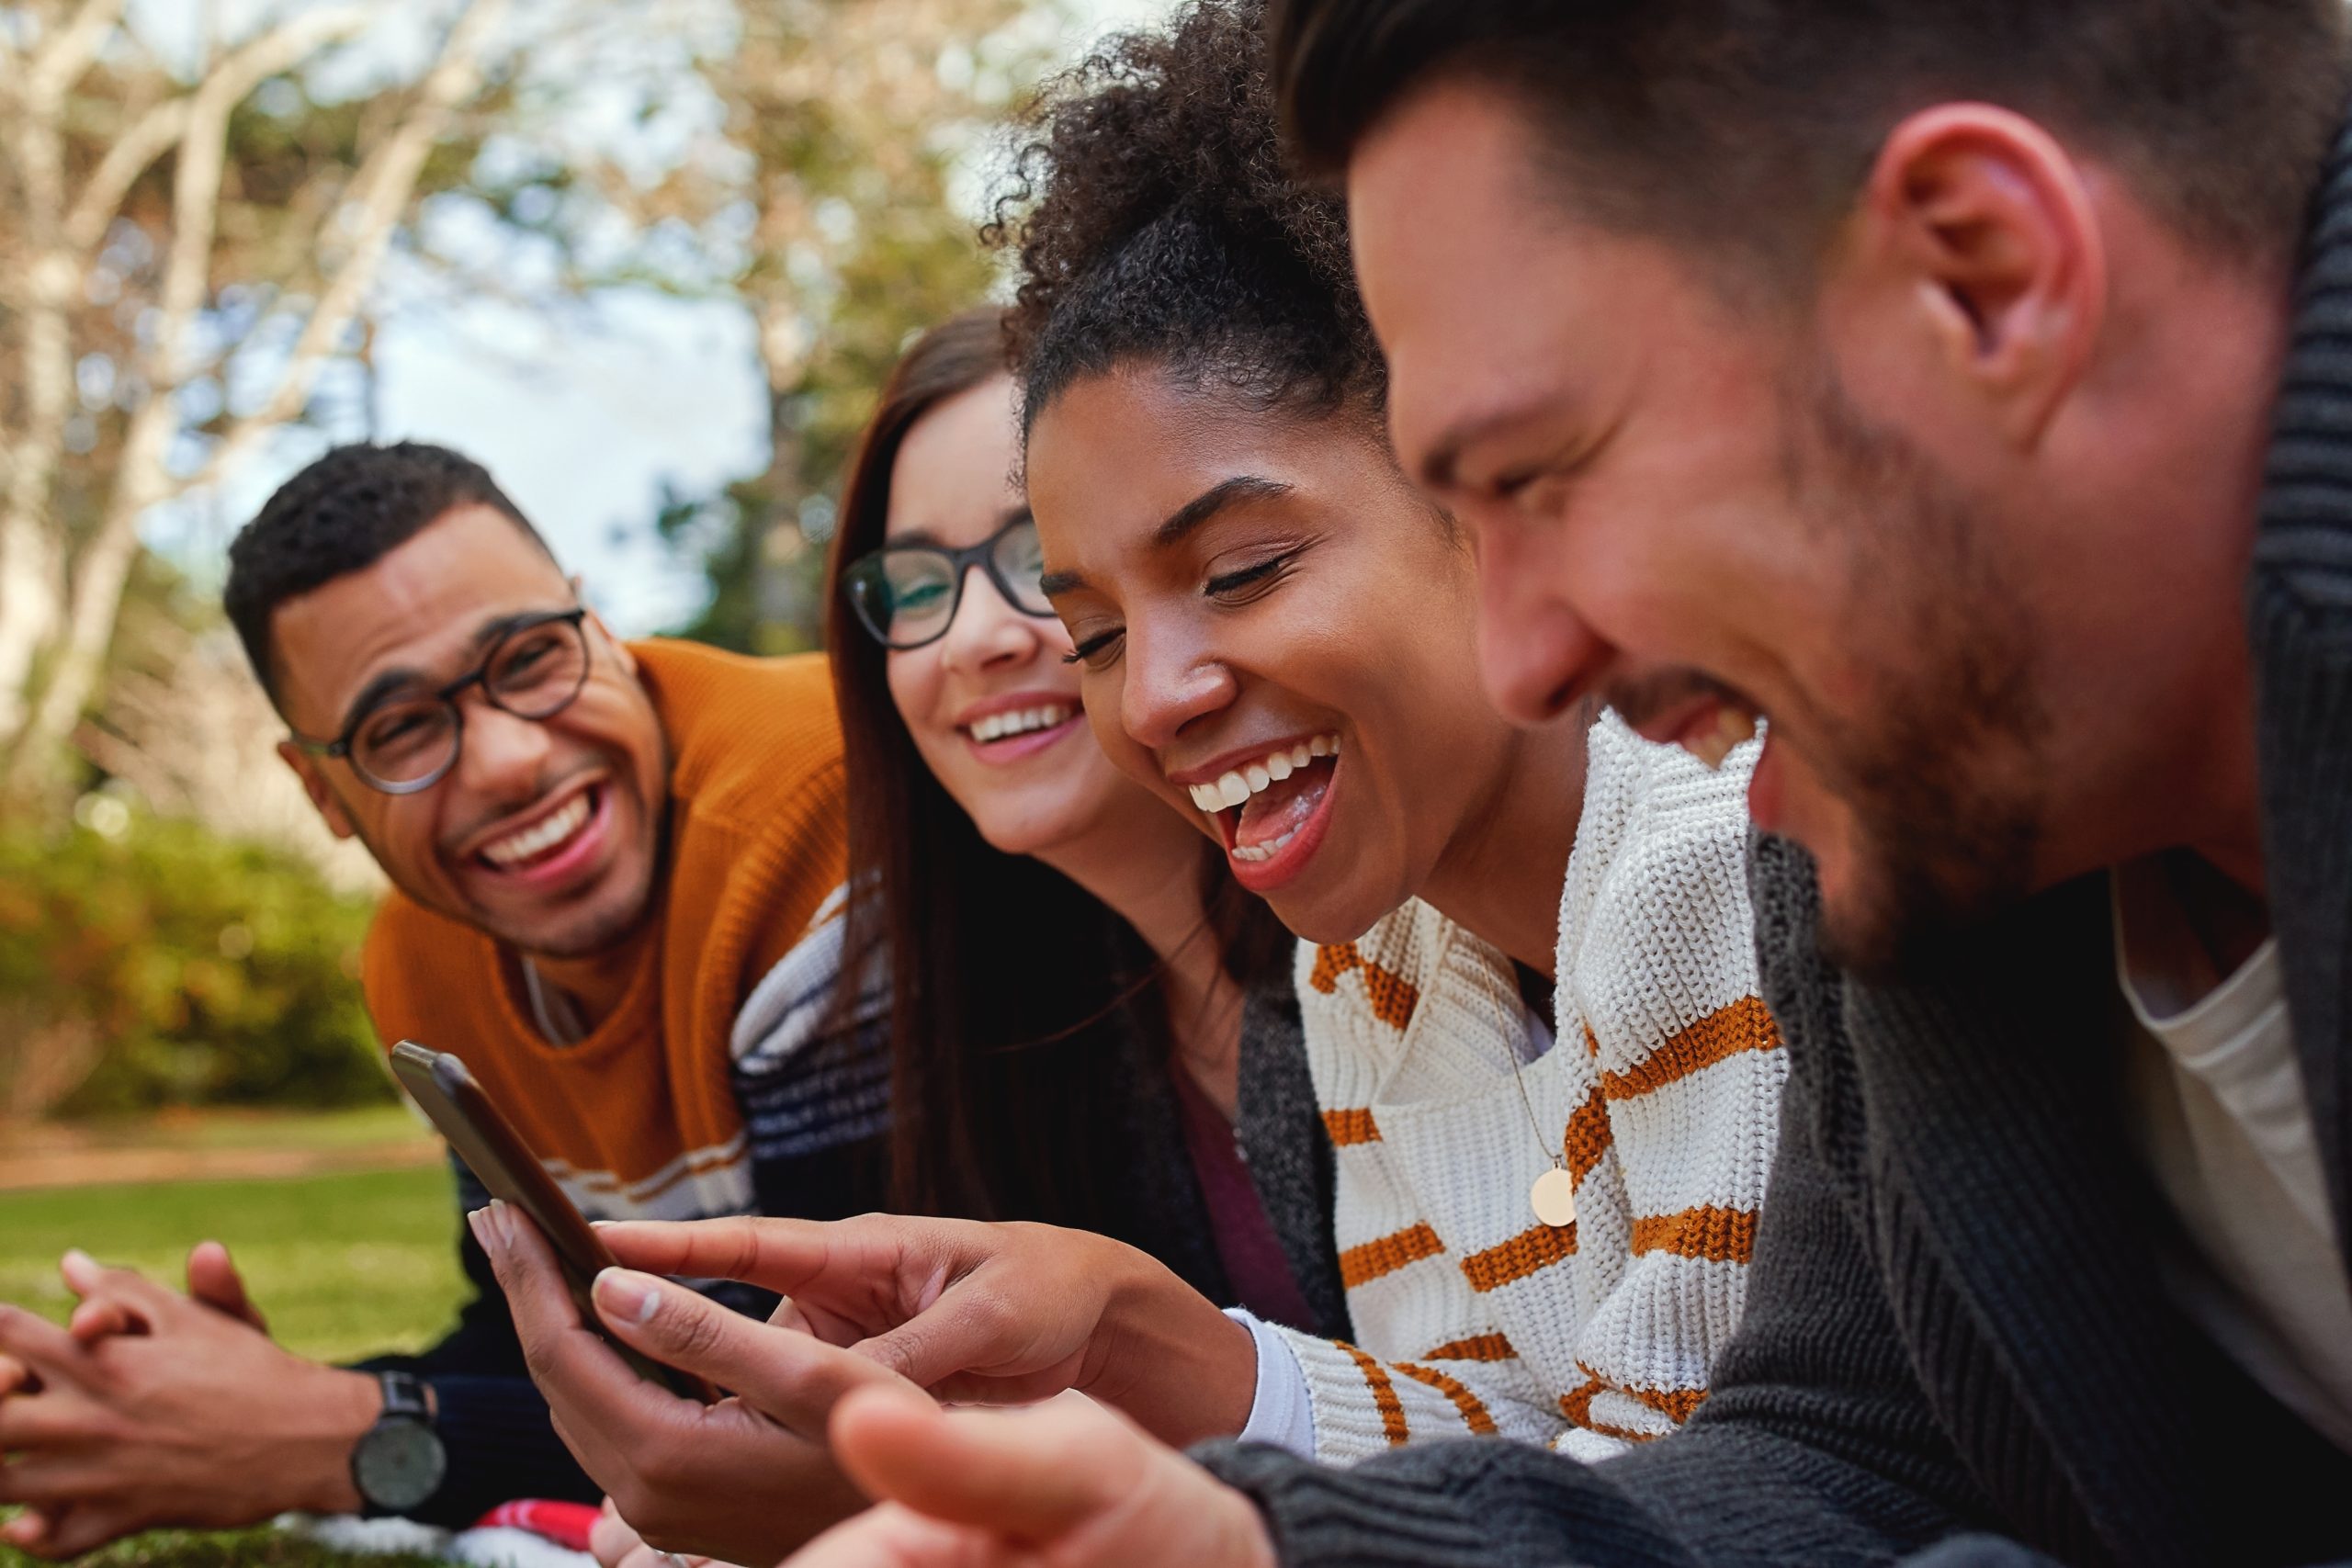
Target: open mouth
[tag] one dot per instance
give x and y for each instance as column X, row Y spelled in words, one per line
column 1733, row 725
column 1260, row 807
column 997, row 728
column 536, row 843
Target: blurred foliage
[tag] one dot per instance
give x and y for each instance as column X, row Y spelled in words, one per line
column 146, row 960
column 857, row 119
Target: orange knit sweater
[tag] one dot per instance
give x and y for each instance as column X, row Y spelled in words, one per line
column 640, row 1120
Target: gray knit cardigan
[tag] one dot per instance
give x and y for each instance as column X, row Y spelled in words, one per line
column 1955, row 1321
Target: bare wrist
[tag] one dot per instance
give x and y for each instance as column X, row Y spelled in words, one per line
column 1172, row 1359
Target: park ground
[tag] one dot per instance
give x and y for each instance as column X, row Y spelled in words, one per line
column 343, row 1224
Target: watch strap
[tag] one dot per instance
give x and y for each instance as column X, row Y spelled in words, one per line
column 403, row 1397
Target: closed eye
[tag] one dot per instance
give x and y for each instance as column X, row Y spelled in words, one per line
column 1234, row 582
column 1095, row 652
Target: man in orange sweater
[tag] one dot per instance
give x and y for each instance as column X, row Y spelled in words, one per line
column 599, row 852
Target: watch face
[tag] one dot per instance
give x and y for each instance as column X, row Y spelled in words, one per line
column 399, row 1464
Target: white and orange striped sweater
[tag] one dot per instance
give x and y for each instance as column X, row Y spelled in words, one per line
column 1663, row 1096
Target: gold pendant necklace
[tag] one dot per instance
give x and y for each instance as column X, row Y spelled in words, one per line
column 1554, row 1195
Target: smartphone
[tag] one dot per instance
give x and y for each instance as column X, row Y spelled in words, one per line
column 501, row 1161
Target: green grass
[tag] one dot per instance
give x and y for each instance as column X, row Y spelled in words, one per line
column 343, row 1266
column 320, row 1130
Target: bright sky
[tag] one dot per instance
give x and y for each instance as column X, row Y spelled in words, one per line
column 582, row 421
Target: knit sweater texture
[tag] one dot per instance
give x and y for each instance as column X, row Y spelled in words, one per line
column 1661, row 1100
column 1956, row 1321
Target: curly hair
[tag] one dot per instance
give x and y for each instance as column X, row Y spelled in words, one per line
column 1156, row 219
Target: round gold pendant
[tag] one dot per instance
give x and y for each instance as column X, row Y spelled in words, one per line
column 1554, row 1198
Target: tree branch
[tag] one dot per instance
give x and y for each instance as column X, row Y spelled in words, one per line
column 153, row 133
column 378, row 194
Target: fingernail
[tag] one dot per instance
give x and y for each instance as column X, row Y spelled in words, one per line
column 502, row 1217
column 474, row 1224
column 78, row 1260
column 628, row 1296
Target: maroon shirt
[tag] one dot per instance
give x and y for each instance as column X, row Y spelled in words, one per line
column 1256, row 1271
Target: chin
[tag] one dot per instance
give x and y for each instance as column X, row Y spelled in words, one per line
column 1327, row 922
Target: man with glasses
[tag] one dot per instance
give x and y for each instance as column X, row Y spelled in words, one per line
column 597, row 851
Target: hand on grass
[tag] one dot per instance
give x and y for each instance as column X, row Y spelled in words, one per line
column 746, row 1480
column 161, row 1410
column 212, row 1280
column 985, row 1313
column 1069, row 1484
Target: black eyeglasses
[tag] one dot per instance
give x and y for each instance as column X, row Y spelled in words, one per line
column 404, row 744
column 907, row 594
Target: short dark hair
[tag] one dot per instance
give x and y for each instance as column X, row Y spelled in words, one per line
column 1754, row 121
column 1166, row 228
column 342, row 515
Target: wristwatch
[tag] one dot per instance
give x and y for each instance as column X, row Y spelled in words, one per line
column 399, row 1461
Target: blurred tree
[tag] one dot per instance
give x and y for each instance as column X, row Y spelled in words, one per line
column 855, row 120
column 186, row 245
column 145, row 961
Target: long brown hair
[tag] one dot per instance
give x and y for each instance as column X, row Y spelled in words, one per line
column 1010, row 984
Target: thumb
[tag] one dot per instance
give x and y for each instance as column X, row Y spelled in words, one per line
column 213, row 1279
column 794, row 1378
column 1033, row 1475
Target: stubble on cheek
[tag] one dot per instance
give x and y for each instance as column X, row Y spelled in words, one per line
column 1941, row 769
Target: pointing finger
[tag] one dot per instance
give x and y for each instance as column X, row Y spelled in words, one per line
column 790, row 1376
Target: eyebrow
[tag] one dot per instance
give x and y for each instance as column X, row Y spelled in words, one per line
column 924, row 539
column 1183, row 521
column 401, row 677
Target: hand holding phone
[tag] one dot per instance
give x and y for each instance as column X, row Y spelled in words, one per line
column 458, row 1105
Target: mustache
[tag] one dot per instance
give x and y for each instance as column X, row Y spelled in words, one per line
column 1637, row 698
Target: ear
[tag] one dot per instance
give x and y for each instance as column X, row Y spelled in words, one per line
column 322, row 793
column 1989, row 223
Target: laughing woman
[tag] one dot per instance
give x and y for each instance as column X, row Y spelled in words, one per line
column 1528, row 984
column 1091, row 1025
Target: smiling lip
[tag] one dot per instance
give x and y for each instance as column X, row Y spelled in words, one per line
column 553, row 867
column 1018, row 725
column 1289, row 860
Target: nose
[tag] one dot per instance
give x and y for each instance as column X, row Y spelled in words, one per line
column 1536, row 655
column 503, row 758
column 1171, row 684
column 988, row 632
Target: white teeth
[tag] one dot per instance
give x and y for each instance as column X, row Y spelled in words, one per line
column 1229, row 790
column 1264, row 852
column 540, row 837
column 998, row 726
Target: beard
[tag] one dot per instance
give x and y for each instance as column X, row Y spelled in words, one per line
column 1941, row 766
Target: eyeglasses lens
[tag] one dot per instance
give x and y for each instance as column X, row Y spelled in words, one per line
column 404, row 741
column 1021, row 567
column 910, row 596
column 537, row 670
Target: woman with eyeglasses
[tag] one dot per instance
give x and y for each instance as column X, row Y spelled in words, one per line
column 1091, row 1025
column 1529, row 982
